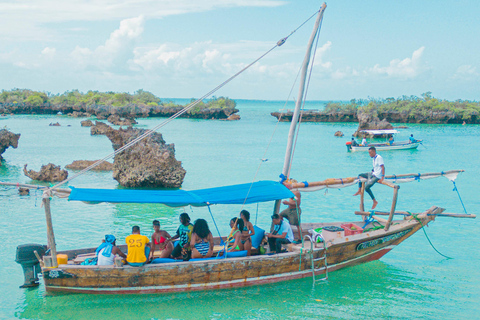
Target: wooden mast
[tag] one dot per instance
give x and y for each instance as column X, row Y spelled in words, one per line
column 50, row 234
column 301, row 92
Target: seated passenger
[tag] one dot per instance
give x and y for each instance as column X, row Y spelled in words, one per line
column 159, row 238
column 354, row 142
column 391, row 140
column 282, row 233
column 247, row 232
column 184, row 233
column 202, row 240
column 412, row 139
column 107, row 250
column 364, row 142
column 138, row 248
column 234, row 240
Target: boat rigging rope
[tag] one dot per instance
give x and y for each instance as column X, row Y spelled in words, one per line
column 420, row 221
column 317, row 36
column 184, row 110
column 455, row 189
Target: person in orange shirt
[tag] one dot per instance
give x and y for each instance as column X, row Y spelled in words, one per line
column 138, row 248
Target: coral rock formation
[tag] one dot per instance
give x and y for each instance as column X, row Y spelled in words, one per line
column 7, row 139
column 49, row 172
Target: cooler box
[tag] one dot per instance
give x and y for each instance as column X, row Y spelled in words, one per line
column 351, row 229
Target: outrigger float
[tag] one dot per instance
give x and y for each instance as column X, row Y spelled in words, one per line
column 325, row 247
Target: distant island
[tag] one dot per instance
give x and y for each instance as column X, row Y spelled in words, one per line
column 141, row 104
column 426, row 109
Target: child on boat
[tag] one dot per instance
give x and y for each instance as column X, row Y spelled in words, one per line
column 234, row 240
column 184, row 233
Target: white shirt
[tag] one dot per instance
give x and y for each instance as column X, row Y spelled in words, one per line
column 285, row 227
column 105, row 261
column 364, row 141
column 377, row 163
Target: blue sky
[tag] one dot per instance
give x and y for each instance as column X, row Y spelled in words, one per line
column 184, row 48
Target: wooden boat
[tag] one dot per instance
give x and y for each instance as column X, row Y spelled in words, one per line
column 321, row 251
column 307, row 260
column 384, row 146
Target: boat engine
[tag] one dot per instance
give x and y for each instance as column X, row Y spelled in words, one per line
column 349, row 145
column 29, row 262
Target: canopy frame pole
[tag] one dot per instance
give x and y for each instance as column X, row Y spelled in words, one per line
column 394, row 205
column 50, row 233
column 362, row 195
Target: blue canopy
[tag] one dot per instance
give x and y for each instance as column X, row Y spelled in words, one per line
column 260, row 191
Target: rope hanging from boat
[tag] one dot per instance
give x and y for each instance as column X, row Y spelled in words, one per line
column 184, row 110
column 219, row 234
column 420, row 221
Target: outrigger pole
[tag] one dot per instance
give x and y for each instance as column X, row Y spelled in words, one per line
column 298, row 104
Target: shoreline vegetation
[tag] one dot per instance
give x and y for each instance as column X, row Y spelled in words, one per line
column 412, row 109
column 141, row 104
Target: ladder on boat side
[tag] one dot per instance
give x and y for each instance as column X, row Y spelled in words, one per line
column 314, row 260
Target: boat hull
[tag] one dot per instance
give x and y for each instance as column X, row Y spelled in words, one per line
column 384, row 147
column 228, row 273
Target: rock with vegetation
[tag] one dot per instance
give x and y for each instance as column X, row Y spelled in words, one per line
column 104, row 104
column 149, row 163
column 338, row 134
column 82, row 164
column 7, row 139
column 412, row 109
column 49, row 173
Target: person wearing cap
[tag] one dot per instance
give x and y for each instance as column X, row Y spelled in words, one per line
column 282, row 233
column 107, row 251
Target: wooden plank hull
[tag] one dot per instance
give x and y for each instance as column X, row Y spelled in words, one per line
column 229, row 273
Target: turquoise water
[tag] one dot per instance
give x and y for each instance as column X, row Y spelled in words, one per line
column 412, row 281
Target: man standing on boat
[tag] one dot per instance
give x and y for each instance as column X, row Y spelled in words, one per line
column 377, row 174
column 293, row 212
column 282, row 233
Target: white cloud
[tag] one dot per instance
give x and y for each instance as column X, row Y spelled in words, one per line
column 407, row 68
column 320, row 56
column 49, row 52
column 466, row 72
column 198, row 57
column 29, row 19
column 118, row 48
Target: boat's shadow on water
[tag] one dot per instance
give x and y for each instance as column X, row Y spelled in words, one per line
column 362, row 291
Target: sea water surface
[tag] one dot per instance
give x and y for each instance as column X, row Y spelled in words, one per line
column 412, row 281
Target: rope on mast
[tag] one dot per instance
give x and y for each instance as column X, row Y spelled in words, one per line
column 184, row 110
